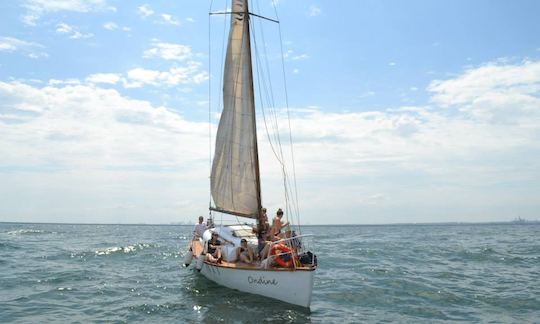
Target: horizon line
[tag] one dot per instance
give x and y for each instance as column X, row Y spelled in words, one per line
column 516, row 222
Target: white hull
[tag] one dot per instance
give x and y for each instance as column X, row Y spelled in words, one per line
column 290, row 286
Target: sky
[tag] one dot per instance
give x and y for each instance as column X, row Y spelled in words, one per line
column 401, row 111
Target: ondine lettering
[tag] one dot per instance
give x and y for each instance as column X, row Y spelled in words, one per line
column 262, row 281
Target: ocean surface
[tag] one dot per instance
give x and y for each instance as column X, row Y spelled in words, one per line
column 398, row 273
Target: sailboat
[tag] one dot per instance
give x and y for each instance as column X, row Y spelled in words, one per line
column 286, row 270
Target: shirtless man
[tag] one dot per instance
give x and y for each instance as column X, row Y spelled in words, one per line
column 277, row 225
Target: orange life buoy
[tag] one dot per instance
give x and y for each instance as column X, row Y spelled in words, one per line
column 283, row 255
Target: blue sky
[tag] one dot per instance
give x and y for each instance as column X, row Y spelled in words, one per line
column 402, row 111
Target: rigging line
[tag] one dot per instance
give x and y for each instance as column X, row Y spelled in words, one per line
column 261, row 97
column 269, row 94
column 262, row 84
column 270, row 97
column 288, row 110
column 288, row 114
column 280, row 156
column 259, row 84
column 272, row 103
column 267, row 84
column 257, row 65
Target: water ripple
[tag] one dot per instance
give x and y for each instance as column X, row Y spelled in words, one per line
column 83, row 273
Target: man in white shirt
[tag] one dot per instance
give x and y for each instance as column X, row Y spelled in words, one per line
column 199, row 229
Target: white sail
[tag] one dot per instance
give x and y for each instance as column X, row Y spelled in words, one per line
column 235, row 172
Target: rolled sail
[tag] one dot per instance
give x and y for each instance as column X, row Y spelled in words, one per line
column 235, row 172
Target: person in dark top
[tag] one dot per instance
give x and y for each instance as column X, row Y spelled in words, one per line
column 213, row 251
column 244, row 253
column 262, row 230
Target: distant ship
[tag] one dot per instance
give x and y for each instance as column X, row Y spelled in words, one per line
column 519, row 220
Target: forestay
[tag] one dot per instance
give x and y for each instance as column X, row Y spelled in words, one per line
column 235, row 170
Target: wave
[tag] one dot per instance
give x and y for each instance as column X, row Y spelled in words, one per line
column 124, row 249
column 29, row 231
column 7, row 246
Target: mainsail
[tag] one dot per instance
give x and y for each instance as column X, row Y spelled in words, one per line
column 235, row 183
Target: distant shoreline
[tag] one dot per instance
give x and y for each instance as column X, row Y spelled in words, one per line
column 524, row 222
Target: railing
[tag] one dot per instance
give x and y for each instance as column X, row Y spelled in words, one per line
column 297, row 248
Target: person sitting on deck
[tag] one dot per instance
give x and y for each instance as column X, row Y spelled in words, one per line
column 263, row 253
column 244, row 253
column 213, row 251
column 296, row 242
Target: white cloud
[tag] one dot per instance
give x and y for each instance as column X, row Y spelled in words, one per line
column 187, row 74
column 392, row 64
column 425, row 162
column 164, row 18
column 71, row 31
column 114, row 26
column 110, row 26
column 314, row 11
column 366, row 94
column 495, row 92
column 64, row 82
column 74, row 141
column 29, row 49
column 200, row 77
column 169, row 19
column 168, row 51
column 145, row 11
column 300, row 57
column 428, row 156
column 142, row 76
column 476, row 82
column 290, row 55
column 30, row 19
column 107, row 78
column 190, row 20
column 38, row 8
column 66, row 5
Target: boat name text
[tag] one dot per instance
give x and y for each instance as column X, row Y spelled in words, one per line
column 262, row 281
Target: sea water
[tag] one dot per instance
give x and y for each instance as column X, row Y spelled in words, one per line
column 398, row 273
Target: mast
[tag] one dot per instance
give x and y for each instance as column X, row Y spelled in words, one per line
column 255, row 144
